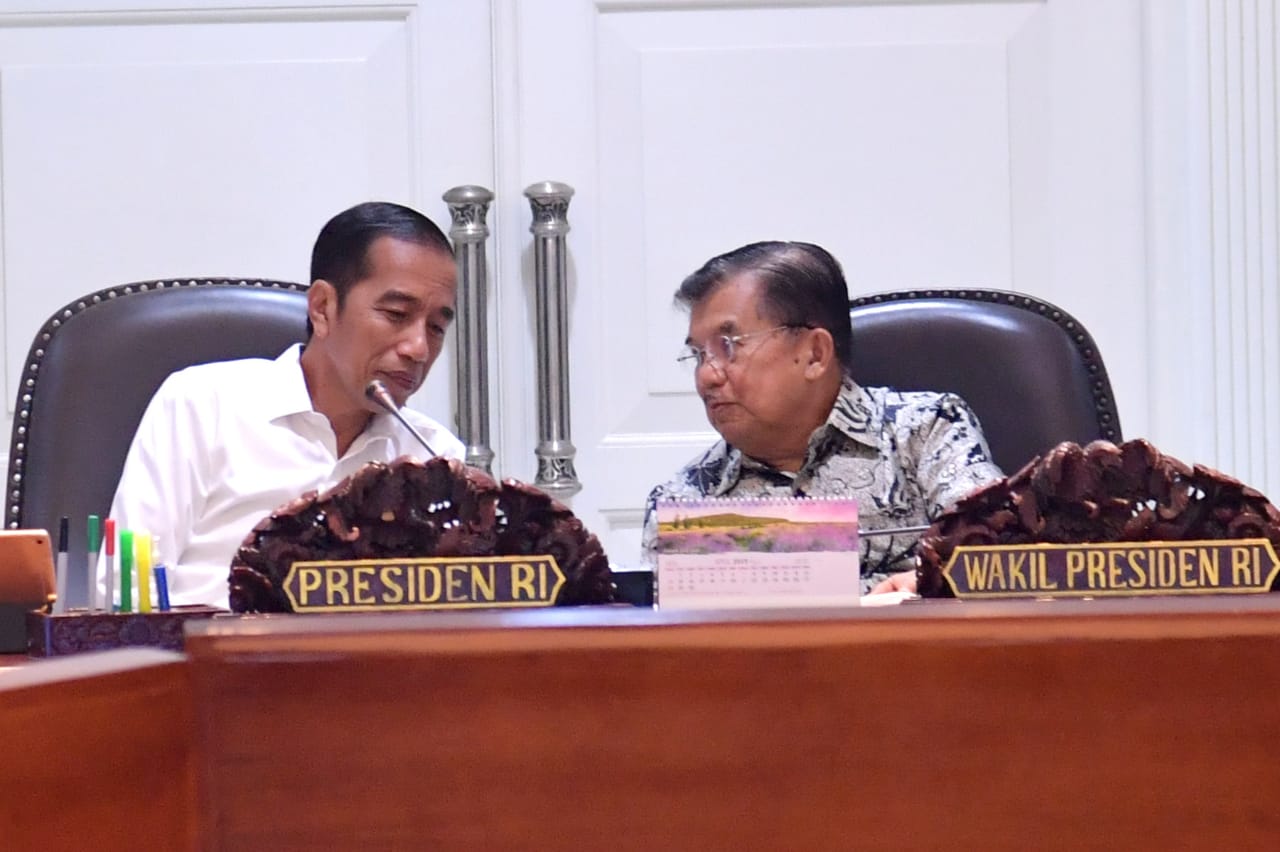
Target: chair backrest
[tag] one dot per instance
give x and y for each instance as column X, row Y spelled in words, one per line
column 1029, row 370
column 94, row 366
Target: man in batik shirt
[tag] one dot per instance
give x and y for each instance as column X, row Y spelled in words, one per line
column 770, row 343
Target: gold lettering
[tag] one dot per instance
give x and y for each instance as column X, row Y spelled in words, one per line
column 1017, row 579
column 522, row 576
column 997, row 573
column 360, row 578
column 1186, row 564
column 455, row 592
column 428, row 573
column 1241, row 575
column 1136, row 558
column 1240, row 572
column 1209, row 566
column 1257, row 566
column 308, row 581
column 1075, row 565
column 1115, row 569
column 335, row 581
column 482, row 582
column 395, row 592
column 976, row 570
column 1040, row 560
column 1096, row 561
column 542, row 581
column 1166, row 568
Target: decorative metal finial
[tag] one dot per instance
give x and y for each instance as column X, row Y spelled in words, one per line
column 467, row 207
column 549, row 202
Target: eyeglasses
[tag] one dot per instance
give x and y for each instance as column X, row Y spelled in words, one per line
column 720, row 350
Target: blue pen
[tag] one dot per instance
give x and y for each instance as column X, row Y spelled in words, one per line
column 161, row 576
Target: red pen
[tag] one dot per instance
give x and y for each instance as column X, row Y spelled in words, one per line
column 109, row 600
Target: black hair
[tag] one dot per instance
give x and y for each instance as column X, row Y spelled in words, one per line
column 341, row 252
column 802, row 285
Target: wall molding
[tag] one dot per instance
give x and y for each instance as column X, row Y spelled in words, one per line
column 1243, row 84
column 83, row 14
column 1212, row 84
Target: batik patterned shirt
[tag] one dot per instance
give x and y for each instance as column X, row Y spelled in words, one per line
column 904, row 456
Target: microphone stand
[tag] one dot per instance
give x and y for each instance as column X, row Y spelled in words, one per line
column 378, row 392
column 892, row 531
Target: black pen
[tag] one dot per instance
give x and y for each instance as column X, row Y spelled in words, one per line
column 60, row 604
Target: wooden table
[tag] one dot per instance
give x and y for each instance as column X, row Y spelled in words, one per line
column 1014, row 725
column 99, row 752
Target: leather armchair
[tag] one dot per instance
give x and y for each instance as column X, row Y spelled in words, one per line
column 1030, row 371
column 93, row 368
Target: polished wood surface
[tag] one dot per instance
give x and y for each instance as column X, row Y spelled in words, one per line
column 1124, row 724
column 98, row 752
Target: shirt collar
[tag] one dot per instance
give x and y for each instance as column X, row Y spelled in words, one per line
column 285, row 390
column 286, row 395
column 383, row 425
column 854, row 415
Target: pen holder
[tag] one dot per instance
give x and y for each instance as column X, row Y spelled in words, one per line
column 79, row 630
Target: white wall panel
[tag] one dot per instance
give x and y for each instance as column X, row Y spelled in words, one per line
column 212, row 141
column 993, row 144
column 1213, row 143
column 157, row 138
column 1243, row 86
column 854, row 173
column 854, row 128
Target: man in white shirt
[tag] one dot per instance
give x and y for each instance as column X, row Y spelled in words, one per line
column 221, row 445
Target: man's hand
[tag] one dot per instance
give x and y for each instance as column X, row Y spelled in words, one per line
column 903, row 581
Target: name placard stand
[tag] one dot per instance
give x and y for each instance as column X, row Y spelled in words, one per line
column 375, row 585
column 1112, row 569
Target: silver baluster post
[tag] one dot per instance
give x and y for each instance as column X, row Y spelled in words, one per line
column 550, row 204
column 467, row 207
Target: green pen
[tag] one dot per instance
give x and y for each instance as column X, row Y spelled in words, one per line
column 126, row 570
column 90, row 555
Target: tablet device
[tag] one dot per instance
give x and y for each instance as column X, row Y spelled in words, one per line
column 26, row 583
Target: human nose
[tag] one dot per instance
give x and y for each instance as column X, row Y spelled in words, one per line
column 708, row 372
column 415, row 344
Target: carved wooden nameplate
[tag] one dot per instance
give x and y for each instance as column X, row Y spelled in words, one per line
column 1114, row 569
column 366, row 585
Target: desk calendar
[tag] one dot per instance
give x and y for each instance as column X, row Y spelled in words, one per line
column 717, row 553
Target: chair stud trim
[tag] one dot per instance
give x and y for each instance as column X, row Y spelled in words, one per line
column 28, row 391
column 1103, row 403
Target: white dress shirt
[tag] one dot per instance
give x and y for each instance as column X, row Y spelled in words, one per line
column 221, row 445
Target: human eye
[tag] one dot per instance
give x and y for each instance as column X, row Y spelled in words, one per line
column 396, row 315
column 726, row 346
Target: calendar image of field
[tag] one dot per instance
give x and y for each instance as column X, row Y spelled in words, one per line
column 792, row 526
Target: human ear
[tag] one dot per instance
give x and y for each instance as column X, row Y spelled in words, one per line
column 819, row 353
column 322, row 304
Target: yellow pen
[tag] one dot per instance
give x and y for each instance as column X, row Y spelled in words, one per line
column 142, row 553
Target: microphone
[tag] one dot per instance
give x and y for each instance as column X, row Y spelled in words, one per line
column 378, row 392
column 892, row 531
